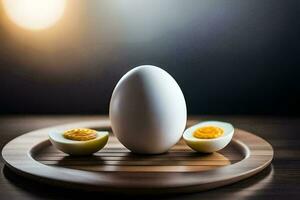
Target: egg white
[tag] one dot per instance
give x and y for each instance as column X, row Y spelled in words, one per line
column 209, row 145
column 74, row 147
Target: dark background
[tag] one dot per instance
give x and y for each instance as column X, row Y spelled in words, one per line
column 228, row 56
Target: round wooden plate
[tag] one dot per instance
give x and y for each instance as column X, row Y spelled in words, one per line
column 114, row 168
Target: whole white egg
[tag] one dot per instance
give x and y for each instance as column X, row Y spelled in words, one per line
column 147, row 110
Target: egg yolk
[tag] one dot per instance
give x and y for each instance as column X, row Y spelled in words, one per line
column 208, row 132
column 80, row 134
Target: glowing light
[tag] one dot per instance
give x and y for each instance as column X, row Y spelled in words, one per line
column 34, row 14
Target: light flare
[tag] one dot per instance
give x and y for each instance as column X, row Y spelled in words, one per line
column 34, row 14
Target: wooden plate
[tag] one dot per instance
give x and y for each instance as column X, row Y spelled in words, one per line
column 114, row 168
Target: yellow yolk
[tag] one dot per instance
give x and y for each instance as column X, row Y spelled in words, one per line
column 80, row 134
column 208, row 132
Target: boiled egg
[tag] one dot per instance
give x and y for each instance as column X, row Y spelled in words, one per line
column 79, row 141
column 209, row 136
column 148, row 110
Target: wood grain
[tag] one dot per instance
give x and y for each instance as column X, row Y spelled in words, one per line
column 114, row 168
column 278, row 181
column 117, row 158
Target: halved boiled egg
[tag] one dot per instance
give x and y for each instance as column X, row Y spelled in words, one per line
column 209, row 136
column 79, row 141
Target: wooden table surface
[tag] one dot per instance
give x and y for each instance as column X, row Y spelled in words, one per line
column 279, row 181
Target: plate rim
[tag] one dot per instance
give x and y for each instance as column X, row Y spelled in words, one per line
column 99, row 181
